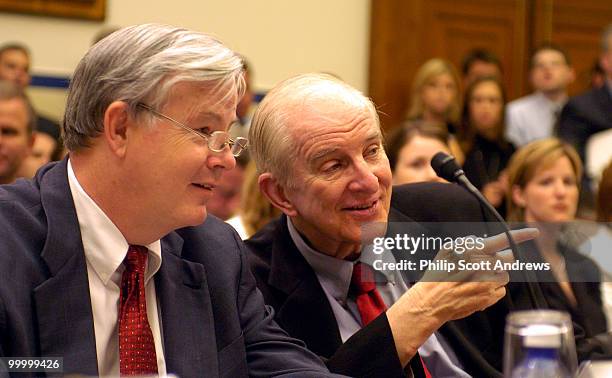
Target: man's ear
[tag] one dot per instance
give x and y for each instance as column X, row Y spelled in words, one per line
column 116, row 122
column 275, row 192
column 518, row 196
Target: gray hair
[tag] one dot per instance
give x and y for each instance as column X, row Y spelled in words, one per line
column 270, row 142
column 141, row 64
column 606, row 38
column 10, row 91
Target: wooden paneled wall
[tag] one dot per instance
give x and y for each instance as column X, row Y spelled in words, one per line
column 406, row 33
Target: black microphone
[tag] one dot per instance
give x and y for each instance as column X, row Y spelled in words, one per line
column 447, row 168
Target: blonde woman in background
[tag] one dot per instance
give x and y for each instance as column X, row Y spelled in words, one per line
column 543, row 187
column 255, row 210
column 436, row 98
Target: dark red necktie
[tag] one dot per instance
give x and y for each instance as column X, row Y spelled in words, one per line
column 136, row 345
column 369, row 301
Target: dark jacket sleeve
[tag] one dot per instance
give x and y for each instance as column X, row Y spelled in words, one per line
column 370, row 352
column 574, row 127
column 270, row 351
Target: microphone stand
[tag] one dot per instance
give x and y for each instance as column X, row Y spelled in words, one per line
column 446, row 167
column 530, row 277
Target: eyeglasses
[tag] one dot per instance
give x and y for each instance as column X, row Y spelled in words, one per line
column 217, row 141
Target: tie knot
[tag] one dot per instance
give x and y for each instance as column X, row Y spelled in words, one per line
column 136, row 259
column 362, row 279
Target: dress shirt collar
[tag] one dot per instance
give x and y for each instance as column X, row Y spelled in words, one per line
column 104, row 245
column 554, row 105
column 335, row 274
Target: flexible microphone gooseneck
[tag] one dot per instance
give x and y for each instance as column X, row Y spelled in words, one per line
column 447, row 168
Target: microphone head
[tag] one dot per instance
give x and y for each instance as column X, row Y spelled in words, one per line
column 446, row 167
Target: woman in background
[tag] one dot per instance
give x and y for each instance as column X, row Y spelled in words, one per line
column 482, row 139
column 410, row 148
column 436, row 98
column 543, row 192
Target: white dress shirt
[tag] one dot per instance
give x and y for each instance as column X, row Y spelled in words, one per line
column 334, row 275
column 238, row 225
column 531, row 118
column 105, row 249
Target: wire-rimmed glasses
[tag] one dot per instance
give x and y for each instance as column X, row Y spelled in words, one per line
column 217, row 141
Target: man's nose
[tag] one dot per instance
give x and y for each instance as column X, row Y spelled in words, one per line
column 223, row 159
column 364, row 179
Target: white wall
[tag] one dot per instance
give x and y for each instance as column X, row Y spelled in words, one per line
column 280, row 37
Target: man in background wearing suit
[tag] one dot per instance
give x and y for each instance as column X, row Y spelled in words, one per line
column 104, row 257
column 590, row 112
column 318, row 145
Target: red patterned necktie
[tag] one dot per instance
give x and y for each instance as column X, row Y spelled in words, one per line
column 369, row 301
column 136, row 346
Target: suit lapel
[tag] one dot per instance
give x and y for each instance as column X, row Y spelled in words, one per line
column 63, row 305
column 190, row 346
column 306, row 300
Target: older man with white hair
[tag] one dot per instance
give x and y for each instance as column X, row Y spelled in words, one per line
column 318, row 145
column 107, row 267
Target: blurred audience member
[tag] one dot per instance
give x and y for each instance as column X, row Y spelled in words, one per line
column 601, row 241
column 534, row 116
column 15, row 67
column 604, row 196
column 482, row 138
column 590, row 112
column 15, row 64
column 225, row 199
column 597, row 75
column 410, row 148
column 543, row 183
column 436, row 98
column 255, row 210
column 47, row 147
column 480, row 63
column 16, row 130
column 594, row 239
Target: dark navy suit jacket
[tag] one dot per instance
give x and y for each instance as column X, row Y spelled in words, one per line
column 291, row 287
column 584, row 116
column 214, row 321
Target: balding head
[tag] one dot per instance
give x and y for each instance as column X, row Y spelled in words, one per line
column 291, row 106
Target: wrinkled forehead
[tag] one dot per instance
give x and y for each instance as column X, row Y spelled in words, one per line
column 331, row 112
column 321, row 128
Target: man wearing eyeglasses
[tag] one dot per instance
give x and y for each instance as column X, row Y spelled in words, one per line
column 105, row 259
